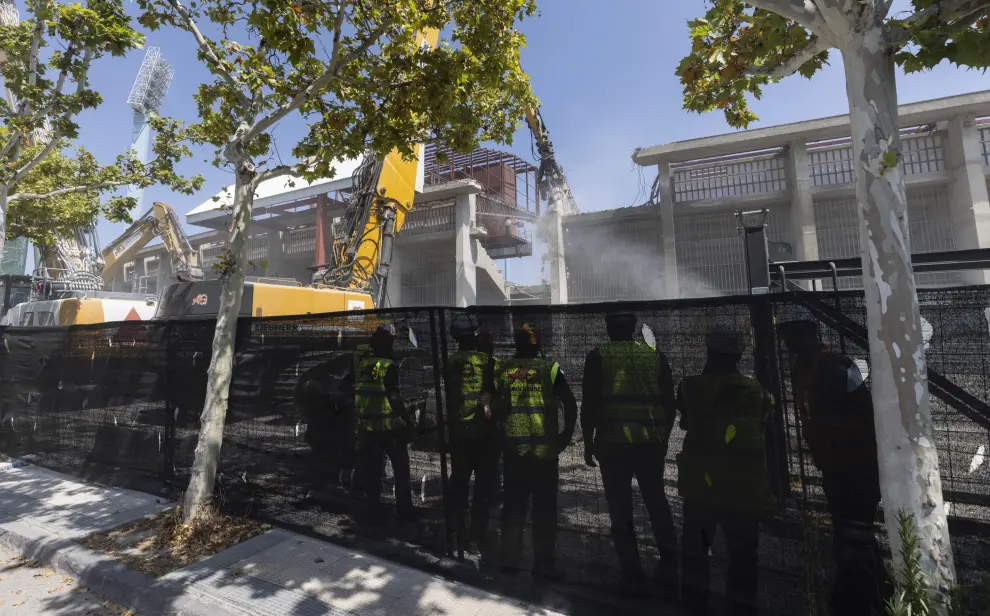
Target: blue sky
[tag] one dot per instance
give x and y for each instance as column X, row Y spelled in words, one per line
column 602, row 70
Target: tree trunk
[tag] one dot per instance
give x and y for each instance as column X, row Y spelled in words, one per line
column 3, row 217
column 909, row 476
column 204, row 469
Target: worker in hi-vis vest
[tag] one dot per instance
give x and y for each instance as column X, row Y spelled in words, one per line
column 383, row 424
column 722, row 472
column 528, row 392
column 470, row 389
column 627, row 414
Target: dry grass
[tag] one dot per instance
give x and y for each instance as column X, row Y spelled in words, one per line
column 159, row 544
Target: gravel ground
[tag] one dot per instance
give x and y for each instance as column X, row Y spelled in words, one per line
column 28, row 588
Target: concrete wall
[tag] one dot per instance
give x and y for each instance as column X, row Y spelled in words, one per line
column 807, row 185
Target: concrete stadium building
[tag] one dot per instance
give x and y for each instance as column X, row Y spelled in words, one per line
column 479, row 208
column 469, row 211
column 688, row 243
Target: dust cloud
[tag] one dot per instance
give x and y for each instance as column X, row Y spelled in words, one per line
column 603, row 260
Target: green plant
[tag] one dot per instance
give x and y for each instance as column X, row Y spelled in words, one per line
column 911, row 594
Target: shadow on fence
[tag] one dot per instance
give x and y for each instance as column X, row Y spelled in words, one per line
column 119, row 404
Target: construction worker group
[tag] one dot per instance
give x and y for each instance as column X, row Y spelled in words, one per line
column 507, row 414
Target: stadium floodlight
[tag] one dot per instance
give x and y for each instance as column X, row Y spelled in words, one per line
column 151, row 85
column 146, row 98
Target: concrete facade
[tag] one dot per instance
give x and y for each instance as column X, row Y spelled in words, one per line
column 687, row 243
column 466, row 213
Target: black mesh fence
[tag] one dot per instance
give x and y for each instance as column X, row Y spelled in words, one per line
column 119, row 404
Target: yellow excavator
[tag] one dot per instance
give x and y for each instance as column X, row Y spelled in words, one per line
column 69, row 286
column 361, row 254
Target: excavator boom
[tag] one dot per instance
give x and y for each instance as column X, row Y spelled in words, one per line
column 383, row 196
column 161, row 221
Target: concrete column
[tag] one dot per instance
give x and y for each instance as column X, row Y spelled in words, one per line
column 465, row 252
column 164, row 270
column 969, row 206
column 558, row 268
column 320, row 257
column 668, row 244
column 804, row 233
column 275, row 252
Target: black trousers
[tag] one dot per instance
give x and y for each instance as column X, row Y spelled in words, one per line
column 742, row 537
column 528, row 478
column 619, row 464
column 861, row 581
column 478, row 457
column 375, row 447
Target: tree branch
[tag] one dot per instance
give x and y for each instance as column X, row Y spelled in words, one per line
column 805, row 12
column 791, row 65
column 31, row 164
column 62, row 78
column 64, row 191
column 36, row 36
column 946, row 10
column 208, row 53
column 272, row 173
column 336, row 63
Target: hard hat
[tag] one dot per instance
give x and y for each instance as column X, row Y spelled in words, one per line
column 724, row 340
column 386, row 328
column 526, row 335
column 464, row 325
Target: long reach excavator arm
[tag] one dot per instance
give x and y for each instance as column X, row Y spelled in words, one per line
column 550, row 178
column 161, row 221
column 383, row 194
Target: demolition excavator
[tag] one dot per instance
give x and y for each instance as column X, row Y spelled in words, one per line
column 69, row 286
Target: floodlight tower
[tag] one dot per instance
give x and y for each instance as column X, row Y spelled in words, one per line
column 146, row 97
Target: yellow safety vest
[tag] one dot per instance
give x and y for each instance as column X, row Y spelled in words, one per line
column 466, row 371
column 631, row 401
column 530, row 426
column 375, row 413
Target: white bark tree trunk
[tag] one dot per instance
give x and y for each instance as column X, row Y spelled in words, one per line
column 3, row 217
column 207, row 455
column 909, row 475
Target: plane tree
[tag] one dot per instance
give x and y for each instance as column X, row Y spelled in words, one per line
column 358, row 76
column 49, row 184
column 737, row 49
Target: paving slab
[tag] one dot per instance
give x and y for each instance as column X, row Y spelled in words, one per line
column 284, row 574
column 65, row 508
column 30, row 588
column 278, row 573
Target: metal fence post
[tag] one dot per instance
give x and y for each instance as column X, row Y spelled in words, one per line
column 438, row 344
column 171, row 406
column 764, row 347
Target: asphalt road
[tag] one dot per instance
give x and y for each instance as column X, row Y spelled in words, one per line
column 28, row 588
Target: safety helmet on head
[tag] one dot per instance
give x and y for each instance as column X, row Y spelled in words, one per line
column 526, row 336
column 724, row 339
column 464, row 325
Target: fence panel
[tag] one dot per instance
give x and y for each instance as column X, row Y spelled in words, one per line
column 119, row 403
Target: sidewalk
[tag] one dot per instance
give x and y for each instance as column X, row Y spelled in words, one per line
column 275, row 574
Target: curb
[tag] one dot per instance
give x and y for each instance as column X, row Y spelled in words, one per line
column 14, row 463
column 106, row 576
